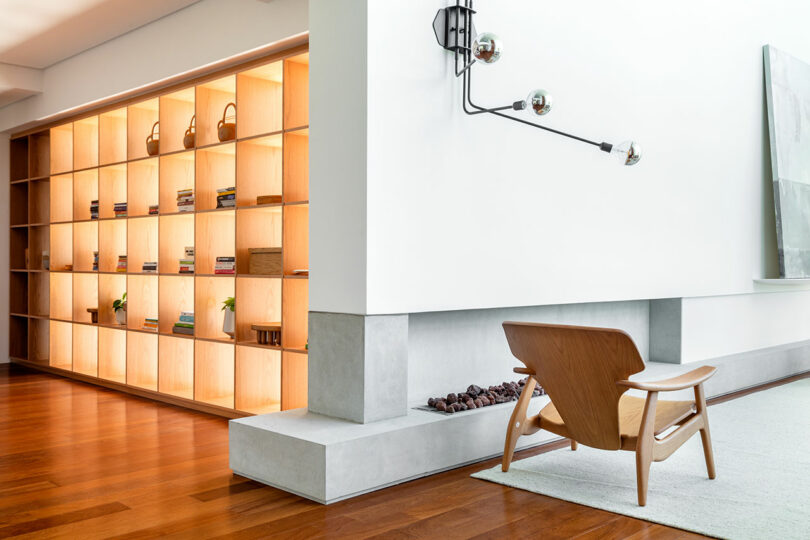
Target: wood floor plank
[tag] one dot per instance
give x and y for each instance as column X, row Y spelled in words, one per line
column 79, row 461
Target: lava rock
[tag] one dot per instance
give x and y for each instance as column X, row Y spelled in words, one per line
column 449, row 409
column 461, row 407
column 452, row 398
column 474, row 390
column 479, row 402
column 431, row 402
column 441, row 406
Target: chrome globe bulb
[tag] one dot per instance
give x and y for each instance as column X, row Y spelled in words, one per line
column 628, row 151
column 487, row 48
column 539, row 102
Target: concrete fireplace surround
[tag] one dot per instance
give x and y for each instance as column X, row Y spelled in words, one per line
column 362, row 434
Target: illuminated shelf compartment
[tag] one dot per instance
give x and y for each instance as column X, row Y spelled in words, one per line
column 176, row 366
column 258, row 169
column 257, row 301
column 141, row 117
column 112, row 134
column 258, row 380
column 176, row 110
column 214, row 373
column 211, row 100
column 260, row 94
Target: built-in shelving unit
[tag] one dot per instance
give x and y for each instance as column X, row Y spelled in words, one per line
column 101, row 158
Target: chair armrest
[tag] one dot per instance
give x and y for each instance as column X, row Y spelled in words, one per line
column 687, row 380
column 523, row 371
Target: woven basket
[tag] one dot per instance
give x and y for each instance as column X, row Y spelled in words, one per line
column 153, row 140
column 226, row 128
column 190, row 136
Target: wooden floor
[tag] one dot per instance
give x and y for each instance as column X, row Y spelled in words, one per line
column 78, row 461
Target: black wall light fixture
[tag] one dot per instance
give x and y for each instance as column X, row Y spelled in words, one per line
column 455, row 32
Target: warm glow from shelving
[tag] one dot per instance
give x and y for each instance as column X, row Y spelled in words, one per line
column 258, row 166
column 57, row 173
column 259, row 301
column 61, row 345
column 142, row 360
column 214, row 373
column 112, row 354
column 61, row 149
column 112, row 129
column 176, row 110
column 85, row 143
column 176, row 366
column 258, row 380
column 85, row 349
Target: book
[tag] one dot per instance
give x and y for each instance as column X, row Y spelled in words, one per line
column 149, row 268
column 182, row 330
column 154, row 209
column 184, row 325
column 122, row 264
column 93, row 209
column 95, row 261
column 190, row 252
column 224, row 271
column 150, row 324
column 226, row 259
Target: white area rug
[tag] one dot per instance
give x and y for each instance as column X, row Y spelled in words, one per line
column 762, row 453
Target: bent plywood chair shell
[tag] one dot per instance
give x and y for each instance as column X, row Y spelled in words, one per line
column 575, row 372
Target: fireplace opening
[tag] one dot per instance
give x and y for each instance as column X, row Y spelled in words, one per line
column 476, row 397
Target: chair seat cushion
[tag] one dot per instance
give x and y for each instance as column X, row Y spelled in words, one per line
column 667, row 414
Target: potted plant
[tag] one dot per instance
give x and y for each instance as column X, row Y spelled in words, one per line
column 120, row 308
column 228, row 306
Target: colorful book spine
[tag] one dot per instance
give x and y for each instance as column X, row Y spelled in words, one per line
column 225, row 265
column 154, row 209
column 95, row 261
column 122, row 264
column 226, row 197
column 149, row 268
column 150, row 324
column 120, row 209
column 93, row 209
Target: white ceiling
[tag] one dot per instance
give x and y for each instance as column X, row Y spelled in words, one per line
column 39, row 33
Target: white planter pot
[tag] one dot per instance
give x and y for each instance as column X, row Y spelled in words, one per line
column 228, row 322
column 121, row 317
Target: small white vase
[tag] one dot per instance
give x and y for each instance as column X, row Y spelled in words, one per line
column 121, row 317
column 227, row 322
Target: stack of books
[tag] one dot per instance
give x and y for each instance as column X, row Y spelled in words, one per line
column 225, row 265
column 150, row 324
column 149, row 268
column 185, row 200
column 226, row 197
column 95, row 261
column 122, row 264
column 120, row 209
column 153, row 209
column 187, row 262
column 94, row 209
column 185, row 325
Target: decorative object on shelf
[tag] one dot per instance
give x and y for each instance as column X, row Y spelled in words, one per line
column 226, row 197
column 455, row 32
column 228, row 306
column 95, row 261
column 150, row 324
column 94, row 209
column 120, row 308
column 93, row 314
column 301, row 272
column 120, row 209
column 268, row 333
column 786, row 89
column 476, row 397
column 225, row 265
column 150, row 267
column 153, row 140
column 268, row 199
column 122, row 264
column 46, row 260
column 154, row 209
column 190, row 137
column 68, row 268
column 186, row 264
column 185, row 200
column 226, row 128
column 265, row 260
column 185, row 324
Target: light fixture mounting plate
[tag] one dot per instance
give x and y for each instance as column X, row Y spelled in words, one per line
column 452, row 25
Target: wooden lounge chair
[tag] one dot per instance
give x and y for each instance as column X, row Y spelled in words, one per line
column 585, row 371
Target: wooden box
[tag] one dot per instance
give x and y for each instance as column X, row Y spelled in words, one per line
column 265, row 261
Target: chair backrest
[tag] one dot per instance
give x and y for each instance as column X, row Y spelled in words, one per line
column 578, row 367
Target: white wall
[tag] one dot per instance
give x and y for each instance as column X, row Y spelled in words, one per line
column 476, row 212
column 203, row 33
column 720, row 326
column 337, row 149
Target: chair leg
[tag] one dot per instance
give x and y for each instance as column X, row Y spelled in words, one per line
column 574, row 445
column 644, row 447
column 515, row 429
column 705, row 435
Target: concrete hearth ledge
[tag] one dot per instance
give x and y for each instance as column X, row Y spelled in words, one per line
column 327, row 459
